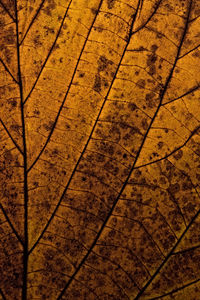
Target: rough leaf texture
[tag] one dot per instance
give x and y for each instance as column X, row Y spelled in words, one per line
column 100, row 146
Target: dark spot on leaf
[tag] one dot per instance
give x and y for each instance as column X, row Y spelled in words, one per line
column 37, row 41
column 94, row 10
column 151, row 59
column 103, row 63
column 144, row 124
column 152, row 70
column 97, row 83
column 49, row 8
column 99, row 29
column 36, row 112
column 132, row 106
column 13, row 103
column 105, row 83
column 141, row 83
column 154, row 47
column 81, row 74
column 178, row 154
column 150, row 99
column 110, row 3
column 160, row 145
column 174, row 188
column 10, row 38
column 48, row 126
column 8, row 156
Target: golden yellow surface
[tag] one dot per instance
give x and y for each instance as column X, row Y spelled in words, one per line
column 99, row 149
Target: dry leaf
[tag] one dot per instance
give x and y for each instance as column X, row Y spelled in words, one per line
column 100, row 146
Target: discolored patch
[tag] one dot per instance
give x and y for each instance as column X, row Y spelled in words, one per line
column 97, row 83
column 110, row 3
column 103, row 63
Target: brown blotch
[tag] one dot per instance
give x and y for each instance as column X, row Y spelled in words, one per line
column 105, row 83
column 81, row 75
column 36, row 112
column 37, row 41
column 178, row 155
column 145, row 124
column 198, row 177
column 141, row 83
column 97, row 83
column 7, row 54
column 151, row 59
column 174, row 188
column 103, row 63
column 10, row 40
column 196, row 54
column 110, row 3
column 160, row 145
column 149, row 98
column 94, row 10
column 47, row 10
column 49, row 125
column 187, row 186
column 8, row 156
column 132, row 106
column 154, row 48
column 152, row 70
column 162, row 180
column 15, row 127
column 30, row 9
column 159, row 35
column 13, row 103
column 107, row 148
column 49, row 29
column 99, row 29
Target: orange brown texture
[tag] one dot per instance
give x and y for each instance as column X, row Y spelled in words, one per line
column 100, row 147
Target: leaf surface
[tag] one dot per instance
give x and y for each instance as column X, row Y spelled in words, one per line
column 100, row 145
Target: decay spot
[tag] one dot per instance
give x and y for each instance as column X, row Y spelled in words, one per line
column 36, row 112
column 30, row 9
column 48, row 126
column 110, row 3
column 152, row 70
column 160, row 145
column 99, row 29
column 154, row 48
column 37, row 41
column 94, row 10
column 151, row 59
column 103, row 62
column 13, row 103
column 149, row 98
column 81, row 75
column 97, row 83
column 10, row 36
column 178, row 155
column 174, row 188
column 132, row 106
column 141, row 83
column 8, row 156
column 48, row 10
column 144, row 124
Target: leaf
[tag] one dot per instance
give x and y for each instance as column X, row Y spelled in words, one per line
column 100, row 146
